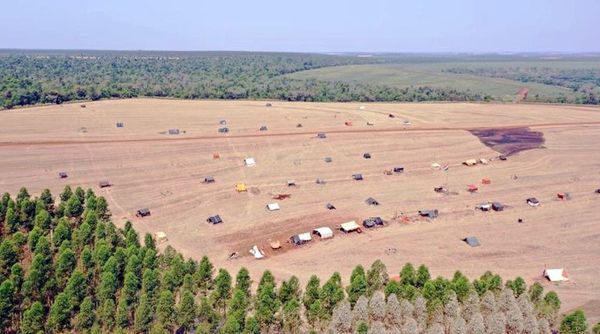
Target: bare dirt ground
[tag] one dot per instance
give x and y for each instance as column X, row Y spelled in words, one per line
column 164, row 173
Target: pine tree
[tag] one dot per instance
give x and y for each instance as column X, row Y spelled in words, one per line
column 266, row 306
column 341, row 320
column 186, row 311
column 422, row 276
column 360, row 311
column 377, row 306
column 222, row 291
column 408, row 275
column 165, row 309
column 536, row 292
column 331, row 294
column 358, row 284
column 143, row 314
column 289, row 290
column 312, row 291
column 393, row 312
column 242, row 281
column 60, row 313
column 73, row 207
column 33, row 319
column 291, row 316
column 122, row 316
column 574, row 323
column 204, row 275
column 7, row 303
column 86, row 317
column 488, row 303
column 377, row 277
column 238, row 302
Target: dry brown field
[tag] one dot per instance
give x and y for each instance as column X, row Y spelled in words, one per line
column 164, row 173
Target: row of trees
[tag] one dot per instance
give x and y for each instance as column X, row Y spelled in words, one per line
column 65, row 267
column 583, row 81
column 31, row 78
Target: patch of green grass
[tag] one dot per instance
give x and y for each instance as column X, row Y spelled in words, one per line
column 431, row 74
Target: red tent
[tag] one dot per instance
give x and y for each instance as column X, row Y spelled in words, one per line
column 472, row 188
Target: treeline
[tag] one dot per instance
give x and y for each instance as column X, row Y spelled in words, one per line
column 585, row 82
column 65, row 267
column 33, row 78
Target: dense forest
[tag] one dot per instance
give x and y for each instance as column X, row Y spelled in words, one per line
column 65, row 267
column 584, row 81
column 46, row 77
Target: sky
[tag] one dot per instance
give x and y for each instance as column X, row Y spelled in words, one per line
column 304, row 26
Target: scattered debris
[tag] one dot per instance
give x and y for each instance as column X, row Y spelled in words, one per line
column 407, row 123
column 104, row 184
column 483, row 161
column 320, row 181
column 282, row 196
column 486, row 180
column 502, row 157
column 387, row 172
column 258, row 254
column 564, row 196
column 348, row 123
column 143, row 212
column 472, row 188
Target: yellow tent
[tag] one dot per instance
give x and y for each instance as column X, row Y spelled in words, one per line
column 241, row 187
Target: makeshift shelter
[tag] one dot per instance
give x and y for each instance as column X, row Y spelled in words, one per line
column 320, row 181
column 216, row 219
column 472, row 188
column 216, row 156
column 440, row 189
column 497, row 206
column 143, row 212
column 532, row 201
column 209, row 179
column 323, row 232
column 321, row 135
column 470, row 162
column 406, row 123
column 250, row 162
column 435, row 165
column 328, row 159
column 291, row 183
column 350, row 227
column 398, row 169
column 120, row 124
column 429, row 213
column 299, row 125
column 486, row 180
column 258, row 254
column 62, row 175
column 472, row 241
column 275, row 244
column 483, row 161
column 371, row 201
column 357, row 177
column 263, row 128
column 160, row 237
column 223, row 130
column 330, row 206
column 104, row 184
column 348, row 123
column 173, row 131
column 82, row 106
column 300, row 239
column 598, row 191
column 391, row 116
column 556, row 275
column 484, row 206
column 372, row 222
column 241, row 187
column 273, row 206
column 367, row 155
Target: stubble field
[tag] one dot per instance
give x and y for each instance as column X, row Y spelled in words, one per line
column 149, row 168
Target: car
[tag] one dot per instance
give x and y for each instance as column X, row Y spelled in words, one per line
column 373, row 222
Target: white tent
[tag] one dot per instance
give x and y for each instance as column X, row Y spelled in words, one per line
column 350, row 226
column 435, row 165
column 273, row 206
column 555, row 275
column 250, row 162
column 258, row 254
column 324, row 232
column 304, row 237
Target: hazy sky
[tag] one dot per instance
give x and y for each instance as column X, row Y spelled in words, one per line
column 309, row 25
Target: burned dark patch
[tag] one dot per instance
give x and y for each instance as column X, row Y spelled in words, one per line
column 509, row 141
